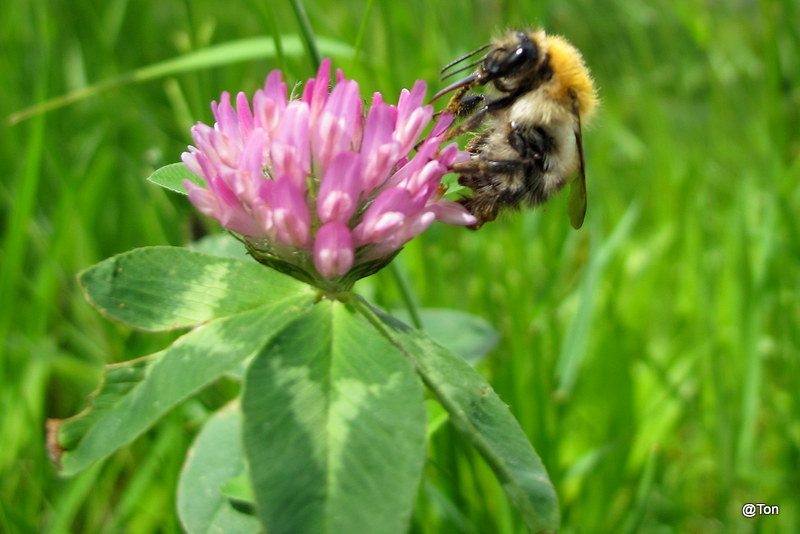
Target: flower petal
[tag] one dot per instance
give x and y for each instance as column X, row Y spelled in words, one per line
column 442, row 124
column 339, row 125
column 290, row 151
column 333, row 250
column 340, row 188
column 244, row 115
column 225, row 115
column 290, row 213
column 316, row 91
column 269, row 104
column 274, row 88
column 411, row 100
column 453, row 213
column 386, row 214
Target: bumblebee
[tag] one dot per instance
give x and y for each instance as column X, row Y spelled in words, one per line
column 531, row 146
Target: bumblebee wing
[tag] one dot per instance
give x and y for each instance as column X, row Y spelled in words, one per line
column 576, row 203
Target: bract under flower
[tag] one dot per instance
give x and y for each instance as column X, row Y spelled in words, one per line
column 316, row 187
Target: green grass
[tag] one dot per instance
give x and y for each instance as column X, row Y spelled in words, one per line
column 652, row 357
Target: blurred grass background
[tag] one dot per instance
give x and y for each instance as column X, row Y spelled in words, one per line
column 651, row 357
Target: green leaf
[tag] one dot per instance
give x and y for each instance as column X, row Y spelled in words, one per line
column 135, row 394
column 437, row 416
column 239, row 491
column 334, row 428
column 221, row 244
column 215, row 457
column 163, row 288
column 467, row 335
column 480, row 415
column 227, row 53
column 172, row 176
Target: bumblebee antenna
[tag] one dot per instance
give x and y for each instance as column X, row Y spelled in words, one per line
column 465, row 67
column 462, row 58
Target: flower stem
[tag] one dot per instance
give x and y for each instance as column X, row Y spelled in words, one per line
column 308, row 33
column 405, row 294
column 362, row 30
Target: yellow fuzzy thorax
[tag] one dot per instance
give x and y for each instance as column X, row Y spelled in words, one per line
column 570, row 74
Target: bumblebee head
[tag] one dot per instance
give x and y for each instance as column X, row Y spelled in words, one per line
column 515, row 57
column 512, row 63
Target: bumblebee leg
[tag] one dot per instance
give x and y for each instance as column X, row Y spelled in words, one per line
column 482, row 210
column 458, row 105
column 454, row 104
column 470, row 123
column 491, row 180
column 477, row 144
column 531, row 143
column 502, row 102
column 469, row 103
column 498, row 184
column 479, row 166
column 475, row 120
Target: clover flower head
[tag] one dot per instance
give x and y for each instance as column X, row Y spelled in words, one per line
column 317, row 187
